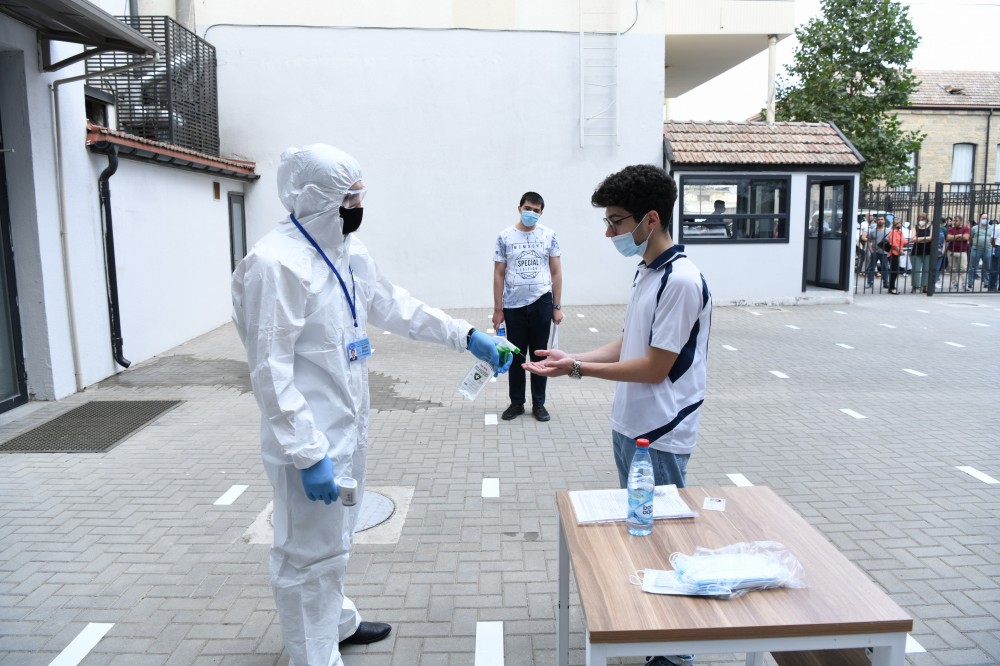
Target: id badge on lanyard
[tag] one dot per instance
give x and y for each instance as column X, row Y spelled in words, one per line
column 358, row 350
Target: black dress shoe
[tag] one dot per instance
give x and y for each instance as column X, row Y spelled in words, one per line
column 512, row 412
column 368, row 632
column 540, row 413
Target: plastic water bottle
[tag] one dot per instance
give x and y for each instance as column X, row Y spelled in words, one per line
column 502, row 330
column 640, row 491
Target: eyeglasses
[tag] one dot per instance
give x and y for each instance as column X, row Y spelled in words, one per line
column 613, row 224
column 353, row 198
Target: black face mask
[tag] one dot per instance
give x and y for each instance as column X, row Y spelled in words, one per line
column 352, row 218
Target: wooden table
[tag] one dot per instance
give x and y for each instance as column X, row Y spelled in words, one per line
column 840, row 608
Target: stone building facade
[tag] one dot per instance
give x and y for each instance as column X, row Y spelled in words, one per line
column 960, row 113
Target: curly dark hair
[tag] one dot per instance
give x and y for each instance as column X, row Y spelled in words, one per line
column 639, row 189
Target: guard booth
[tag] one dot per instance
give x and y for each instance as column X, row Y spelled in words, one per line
column 767, row 211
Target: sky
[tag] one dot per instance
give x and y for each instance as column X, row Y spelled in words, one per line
column 955, row 35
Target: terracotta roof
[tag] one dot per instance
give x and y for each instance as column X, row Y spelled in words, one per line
column 171, row 155
column 750, row 143
column 954, row 88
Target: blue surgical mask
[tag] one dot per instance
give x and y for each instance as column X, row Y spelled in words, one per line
column 529, row 218
column 625, row 243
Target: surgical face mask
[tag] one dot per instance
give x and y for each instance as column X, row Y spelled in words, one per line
column 984, row 221
column 529, row 218
column 625, row 243
column 351, row 218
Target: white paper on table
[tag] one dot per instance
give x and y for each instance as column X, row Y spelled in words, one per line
column 605, row 506
column 554, row 338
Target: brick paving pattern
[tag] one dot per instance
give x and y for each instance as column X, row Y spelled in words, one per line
column 132, row 536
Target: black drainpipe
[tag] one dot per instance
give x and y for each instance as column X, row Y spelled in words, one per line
column 114, row 311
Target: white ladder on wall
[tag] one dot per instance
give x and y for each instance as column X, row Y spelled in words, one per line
column 600, row 31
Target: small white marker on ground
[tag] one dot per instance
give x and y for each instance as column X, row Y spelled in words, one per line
column 730, row 347
column 976, row 323
column 794, row 328
column 779, row 375
column 491, row 419
column 912, row 645
column 975, row 473
column 756, row 314
column 493, row 379
column 491, row 487
column 739, row 480
column 841, row 344
column 851, row 412
column 579, row 315
column 924, row 311
column 386, row 333
column 489, row 644
column 955, row 344
column 592, row 330
column 230, row 495
column 839, row 312
column 81, row 646
column 887, row 325
column 915, row 373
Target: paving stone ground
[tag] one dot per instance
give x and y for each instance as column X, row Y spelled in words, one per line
column 132, row 536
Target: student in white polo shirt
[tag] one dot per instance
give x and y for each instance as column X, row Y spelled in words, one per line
column 660, row 360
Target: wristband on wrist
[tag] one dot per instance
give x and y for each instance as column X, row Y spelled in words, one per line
column 557, row 307
column 468, row 337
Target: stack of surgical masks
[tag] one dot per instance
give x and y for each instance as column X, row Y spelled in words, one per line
column 726, row 572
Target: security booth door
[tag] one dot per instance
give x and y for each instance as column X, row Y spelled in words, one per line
column 828, row 234
column 13, row 386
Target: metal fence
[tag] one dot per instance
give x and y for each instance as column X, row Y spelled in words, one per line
column 973, row 270
column 174, row 100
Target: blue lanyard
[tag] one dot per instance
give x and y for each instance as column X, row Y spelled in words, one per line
column 354, row 288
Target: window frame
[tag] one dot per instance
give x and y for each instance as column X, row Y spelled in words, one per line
column 963, row 185
column 720, row 220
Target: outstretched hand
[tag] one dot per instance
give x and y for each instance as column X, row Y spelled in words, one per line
column 554, row 363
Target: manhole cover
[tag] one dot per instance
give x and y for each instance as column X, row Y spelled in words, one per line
column 375, row 510
column 94, row 427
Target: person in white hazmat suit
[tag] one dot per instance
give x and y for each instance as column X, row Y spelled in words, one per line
column 302, row 298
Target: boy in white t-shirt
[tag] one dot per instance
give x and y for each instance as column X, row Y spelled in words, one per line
column 660, row 360
column 527, row 286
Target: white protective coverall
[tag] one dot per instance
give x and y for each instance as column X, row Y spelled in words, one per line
column 294, row 320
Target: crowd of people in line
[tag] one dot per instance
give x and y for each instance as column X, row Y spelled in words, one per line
column 890, row 246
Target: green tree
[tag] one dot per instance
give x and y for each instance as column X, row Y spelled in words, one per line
column 852, row 68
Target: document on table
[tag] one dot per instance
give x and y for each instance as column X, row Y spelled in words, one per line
column 605, row 506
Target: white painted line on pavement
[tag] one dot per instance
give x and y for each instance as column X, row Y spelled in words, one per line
column 592, row 330
column 756, row 314
column 887, row 325
column 912, row 645
column 841, row 344
column 975, row 473
column 81, row 646
column 230, row 495
column 976, row 323
column 851, row 412
column 491, row 487
column 915, row 373
column 739, row 480
column 489, row 644
column 794, row 328
column 955, row 344
column 839, row 312
column 779, row 375
column 491, row 419
column 579, row 315
column 924, row 311
column 730, row 347
column 386, row 333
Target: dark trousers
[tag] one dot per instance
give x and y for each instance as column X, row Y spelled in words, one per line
column 528, row 329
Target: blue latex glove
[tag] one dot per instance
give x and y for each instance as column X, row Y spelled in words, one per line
column 484, row 348
column 318, row 481
column 506, row 355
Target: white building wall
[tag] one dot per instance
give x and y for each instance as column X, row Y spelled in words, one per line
column 172, row 251
column 172, row 237
column 451, row 127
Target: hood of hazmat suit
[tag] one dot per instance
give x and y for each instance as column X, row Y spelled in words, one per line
column 295, row 320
